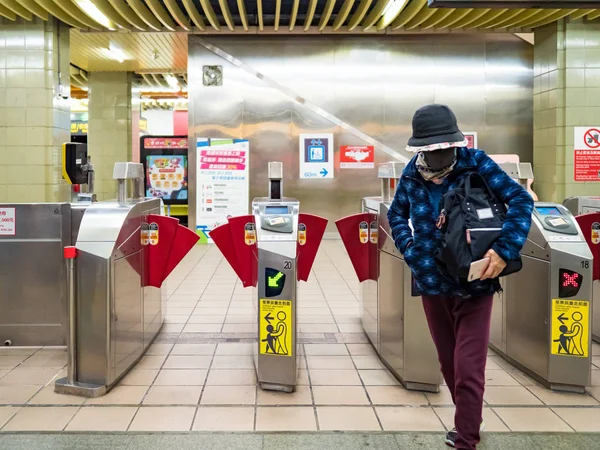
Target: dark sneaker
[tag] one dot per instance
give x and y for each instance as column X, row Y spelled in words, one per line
column 451, row 435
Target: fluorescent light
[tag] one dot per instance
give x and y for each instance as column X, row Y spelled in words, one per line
column 88, row 7
column 172, row 81
column 391, row 11
column 116, row 53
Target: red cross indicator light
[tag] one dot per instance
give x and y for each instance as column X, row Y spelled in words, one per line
column 569, row 283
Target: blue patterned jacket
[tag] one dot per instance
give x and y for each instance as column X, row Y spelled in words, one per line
column 413, row 201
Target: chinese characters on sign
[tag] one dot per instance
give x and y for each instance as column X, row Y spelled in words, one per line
column 222, row 183
column 587, row 154
column 357, row 157
column 8, row 225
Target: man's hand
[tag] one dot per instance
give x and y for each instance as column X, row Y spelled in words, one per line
column 495, row 267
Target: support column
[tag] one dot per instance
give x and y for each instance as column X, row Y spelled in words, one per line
column 566, row 95
column 34, row 110
column 109, row 126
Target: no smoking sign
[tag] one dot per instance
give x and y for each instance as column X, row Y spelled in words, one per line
column 587, row 154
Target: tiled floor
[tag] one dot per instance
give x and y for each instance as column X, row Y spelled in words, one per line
column 199, row 374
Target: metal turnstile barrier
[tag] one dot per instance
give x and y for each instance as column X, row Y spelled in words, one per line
column 272, row 250
column 587, row 210
column 541, row 322
column 392, row 312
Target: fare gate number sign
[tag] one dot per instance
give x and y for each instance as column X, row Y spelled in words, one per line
column 570, row 328
column 275, row 327
column 587, row 154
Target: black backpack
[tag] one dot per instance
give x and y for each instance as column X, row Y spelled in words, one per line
column 471, row 219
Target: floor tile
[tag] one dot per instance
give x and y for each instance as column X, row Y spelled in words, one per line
column 240, row 319
column 232, row 362
column 172, row 328
column 6, row 412
column 594, row 391
column 330, row 362
column 16, row 395
column 340, row 395
column 151, row 362
column 193, row 349
column 19, row 377
column 499, row 378
column 361, row 349
column 188, row 362
column 347, row 418
column 334, row 377
column 581, row 419
column 181, row 377
column 159, row 349
column 406, row 418
column 492, row 421
column 395, row 395
column 173, row 395
column 350, row 327
column 553, row 398
column 529, row 419
column 41, row 418
column 239, row 328
column 47, row 396
column 231, row 418
column 228, row 395
column 285, row 418
column 510, row 395
column 231, row 377
column 318, row 328
column 169, row 418
column 200, row 319
column 18, row 351
column 169, row 318
column 325, row 349
column 368, row 362
column 523, row 379
column 11, row 361
column 46, row 360
column 378, row 378
column 440, row 398
column 202, row 328
column 120, row 395
column 300, row 397
column 111, row 418
column 139, row 377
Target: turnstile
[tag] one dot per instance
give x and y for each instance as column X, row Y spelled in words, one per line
column 272, row 250
column 541, row 322
column 589, row 206
column 392, row 312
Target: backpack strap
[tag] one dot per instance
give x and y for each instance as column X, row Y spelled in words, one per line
column 467, row 182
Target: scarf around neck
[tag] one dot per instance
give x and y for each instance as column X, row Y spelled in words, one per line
column 428, row 173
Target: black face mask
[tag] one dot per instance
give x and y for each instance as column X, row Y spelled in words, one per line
column 440, row 159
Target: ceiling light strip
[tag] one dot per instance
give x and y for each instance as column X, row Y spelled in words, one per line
column 343, row 14
column 18, row 9
column 161, row 14
column 145, row 14
column 209, row 12
column 376, row 13
column 70, row 8
column 406, row 14
column 178, row 14
column 194, row 14
column 307, row 104
column 36, row 9
column 359, row 14
column 111, row 13
column 128, row 14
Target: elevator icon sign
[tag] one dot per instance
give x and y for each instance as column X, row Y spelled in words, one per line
column 316, row 155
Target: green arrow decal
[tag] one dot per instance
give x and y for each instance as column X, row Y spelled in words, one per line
column 274, row 281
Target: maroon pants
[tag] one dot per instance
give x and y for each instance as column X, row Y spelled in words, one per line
column 461, row 330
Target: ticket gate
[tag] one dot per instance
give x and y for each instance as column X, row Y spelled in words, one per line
column 271, row 250
column 587, row 212
column 541, row 322
column 392, row 312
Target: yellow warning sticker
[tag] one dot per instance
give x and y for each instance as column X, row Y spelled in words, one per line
column 570, row 327
column 275, row 327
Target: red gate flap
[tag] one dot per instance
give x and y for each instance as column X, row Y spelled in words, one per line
column 311, row 229
column 161, row 231
column 184, row 241
column 243, row 240
column 223, row 239
column 590, row 227
column 354, row 231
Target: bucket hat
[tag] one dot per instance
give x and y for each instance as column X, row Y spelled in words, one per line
column 435, row 127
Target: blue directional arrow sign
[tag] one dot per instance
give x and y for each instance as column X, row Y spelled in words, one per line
column 324, row 172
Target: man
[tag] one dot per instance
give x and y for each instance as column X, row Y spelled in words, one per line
column 458, row 315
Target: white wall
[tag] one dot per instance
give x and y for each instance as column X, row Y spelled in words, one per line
column 160, row 121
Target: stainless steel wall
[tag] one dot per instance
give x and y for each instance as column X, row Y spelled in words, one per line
column 372, row 83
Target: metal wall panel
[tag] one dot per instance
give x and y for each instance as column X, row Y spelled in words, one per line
column 374, row 84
